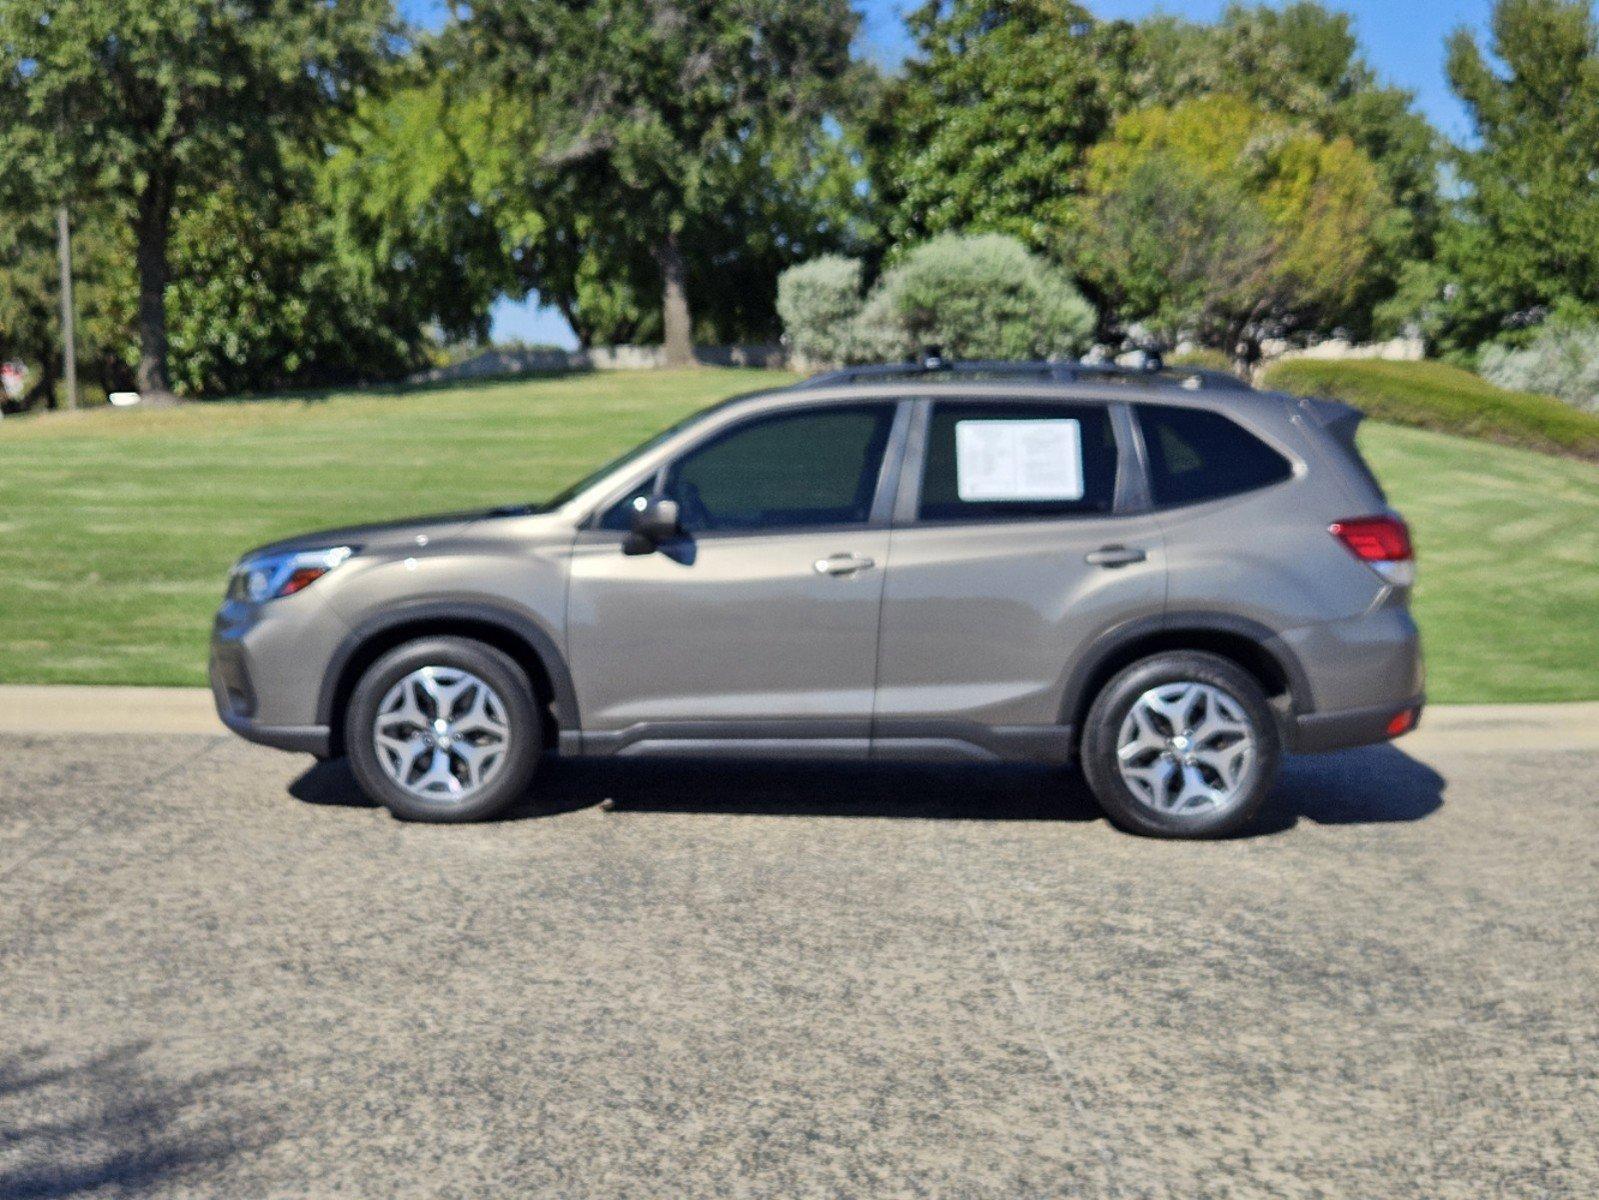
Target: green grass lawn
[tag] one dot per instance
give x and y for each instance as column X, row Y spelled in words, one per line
column 1437, row 396
column 116, row 527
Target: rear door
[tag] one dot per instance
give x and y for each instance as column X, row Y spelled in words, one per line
column 1013, row 548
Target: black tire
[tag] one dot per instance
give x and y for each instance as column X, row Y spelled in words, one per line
column 507, row 783
column 1110, row 709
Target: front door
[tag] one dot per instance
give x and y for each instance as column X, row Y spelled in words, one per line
column 761, row 620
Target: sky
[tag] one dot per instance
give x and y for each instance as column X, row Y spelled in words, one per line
column 1402, row 39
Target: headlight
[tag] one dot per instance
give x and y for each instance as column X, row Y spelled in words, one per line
column 269, row 576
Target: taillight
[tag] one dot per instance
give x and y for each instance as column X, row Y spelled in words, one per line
column 1382, row 543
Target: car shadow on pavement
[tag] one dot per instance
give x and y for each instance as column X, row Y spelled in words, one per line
column 1371, row 785
column 108, row 1121
column 995, row 793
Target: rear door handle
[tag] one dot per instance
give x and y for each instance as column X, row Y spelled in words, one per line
column 842, row 564
column 1115, row 556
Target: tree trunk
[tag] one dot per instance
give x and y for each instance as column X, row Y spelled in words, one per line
column 152, row 228
column 45, row 389
column 584, row 335
column 676, row 321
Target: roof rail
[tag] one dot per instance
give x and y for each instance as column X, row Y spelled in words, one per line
column 1044, row 371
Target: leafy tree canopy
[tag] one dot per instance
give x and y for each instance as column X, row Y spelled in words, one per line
column 1288, row 220
column 130, row 101
column 1528, row 236
column 1303, row 62
column 30, row 313
column 631, row 124
column 988, row 125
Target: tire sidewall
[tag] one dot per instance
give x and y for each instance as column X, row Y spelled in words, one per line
column 495, row 668
column 1110, row 709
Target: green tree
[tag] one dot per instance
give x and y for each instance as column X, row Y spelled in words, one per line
column 265, row 296
column 630, row 124
column 987, row 127
column 143, row 99
column 1297, row 212
column 1302, row 62
column 1178, row 251
column 30, row 313
column 413, row 208
column 790, row 197
column 1528, row 235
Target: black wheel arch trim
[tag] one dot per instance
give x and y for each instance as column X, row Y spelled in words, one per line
column 471, row 611
column 1119, row 638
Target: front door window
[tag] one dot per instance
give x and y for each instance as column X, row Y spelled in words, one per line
column 796, row 470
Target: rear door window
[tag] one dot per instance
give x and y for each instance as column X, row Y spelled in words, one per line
column 1008, row 460
column 1195, row 455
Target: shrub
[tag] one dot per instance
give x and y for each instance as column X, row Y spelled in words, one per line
column 976, row 297
column 1201, row 356
column 819, row 302
column 1561, row 360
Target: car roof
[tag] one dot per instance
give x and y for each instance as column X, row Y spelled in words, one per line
column 934, row 368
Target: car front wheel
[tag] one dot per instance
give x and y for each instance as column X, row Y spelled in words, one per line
column 443, row 729
column 1181, row 745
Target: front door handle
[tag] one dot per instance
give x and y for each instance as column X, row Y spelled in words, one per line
column 1115, row 556
column 842, row 564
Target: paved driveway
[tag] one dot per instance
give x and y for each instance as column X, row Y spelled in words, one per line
column 223, row 975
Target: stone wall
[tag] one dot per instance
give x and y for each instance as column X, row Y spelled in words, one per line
column 492, row 363
column 1399, row 349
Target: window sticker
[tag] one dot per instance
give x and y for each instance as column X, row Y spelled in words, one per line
column 1019, row 460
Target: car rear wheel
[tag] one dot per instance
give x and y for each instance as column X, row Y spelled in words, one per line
column 443, row 729
column 1181, row 745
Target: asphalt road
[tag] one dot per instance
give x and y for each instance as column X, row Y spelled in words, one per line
column 222, row 975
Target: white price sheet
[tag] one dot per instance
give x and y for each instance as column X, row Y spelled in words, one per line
column 1019, row 460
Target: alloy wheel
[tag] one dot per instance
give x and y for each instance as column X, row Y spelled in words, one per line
column 441, row 733
column 1185, row 748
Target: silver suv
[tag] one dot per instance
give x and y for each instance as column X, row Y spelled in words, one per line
column 1166, row 577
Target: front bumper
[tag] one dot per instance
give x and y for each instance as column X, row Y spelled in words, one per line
column 234, row 697
column 268, row 662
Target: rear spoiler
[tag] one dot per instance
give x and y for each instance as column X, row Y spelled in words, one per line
column 1342, row 421
column 1337, row 418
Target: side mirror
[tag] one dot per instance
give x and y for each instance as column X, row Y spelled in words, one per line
column 653, row 524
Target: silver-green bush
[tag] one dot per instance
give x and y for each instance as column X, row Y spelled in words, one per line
column 819, row 302
column 976, row 297
column 1561, row 360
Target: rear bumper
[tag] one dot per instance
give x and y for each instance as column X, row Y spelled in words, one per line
column 1311, row 733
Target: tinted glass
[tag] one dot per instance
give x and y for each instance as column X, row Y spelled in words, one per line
column 942, row 492
column 1198, row 455
column 816, row 467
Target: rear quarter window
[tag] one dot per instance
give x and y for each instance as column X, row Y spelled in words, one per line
column 1196, row 455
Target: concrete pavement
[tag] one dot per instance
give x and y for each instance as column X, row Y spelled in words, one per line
column 223, row 974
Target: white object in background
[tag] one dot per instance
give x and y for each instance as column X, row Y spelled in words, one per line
column 1019, row 460
column 124, row 399
column 13, row 379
